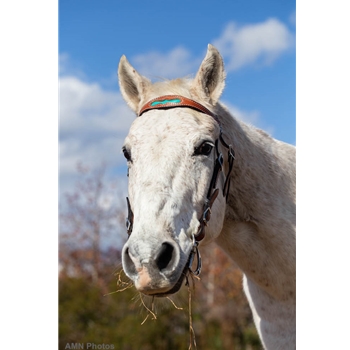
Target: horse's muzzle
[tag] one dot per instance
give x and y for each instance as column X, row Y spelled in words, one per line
column 155, row 271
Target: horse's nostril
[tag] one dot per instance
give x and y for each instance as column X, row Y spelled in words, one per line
column 164, row 256
column 128, row 264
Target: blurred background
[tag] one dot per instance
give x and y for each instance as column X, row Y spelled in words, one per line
column 161, row 40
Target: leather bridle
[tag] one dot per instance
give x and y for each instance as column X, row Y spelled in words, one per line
column 175, row 101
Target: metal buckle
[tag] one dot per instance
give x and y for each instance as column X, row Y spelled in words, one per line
column 220, row 159
column 195, row 251
column 205, row 213
column 231, row 153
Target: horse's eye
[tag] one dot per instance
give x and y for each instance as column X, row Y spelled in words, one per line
column 204, row 149
column 127, row 154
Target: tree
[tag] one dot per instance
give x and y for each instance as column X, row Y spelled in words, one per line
column 90, row 223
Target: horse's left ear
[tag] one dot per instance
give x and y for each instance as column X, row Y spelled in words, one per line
column 210, row 79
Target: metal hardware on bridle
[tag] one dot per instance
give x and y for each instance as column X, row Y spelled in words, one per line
column 130, row 218
column 195, row 251
column 176, row 101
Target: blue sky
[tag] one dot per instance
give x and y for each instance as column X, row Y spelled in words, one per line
column 167, row 39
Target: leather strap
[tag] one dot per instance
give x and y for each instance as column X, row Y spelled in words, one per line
column 172, row 101
column 203, row 221
column 130, row 218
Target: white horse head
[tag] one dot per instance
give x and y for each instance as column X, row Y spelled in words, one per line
column 171, row 154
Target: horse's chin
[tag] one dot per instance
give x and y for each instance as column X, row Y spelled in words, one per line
column 172, row 290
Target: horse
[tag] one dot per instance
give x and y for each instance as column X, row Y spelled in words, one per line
column 199, row 175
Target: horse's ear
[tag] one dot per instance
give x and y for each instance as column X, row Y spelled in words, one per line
column 210, row 79
column 132, row 84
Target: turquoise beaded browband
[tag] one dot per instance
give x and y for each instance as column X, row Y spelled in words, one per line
column 173, row 101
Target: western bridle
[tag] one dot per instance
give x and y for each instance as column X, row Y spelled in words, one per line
column 175, row 101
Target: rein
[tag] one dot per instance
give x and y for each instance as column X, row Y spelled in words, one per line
column 174, row 101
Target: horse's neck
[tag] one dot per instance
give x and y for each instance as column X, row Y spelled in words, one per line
column 263, row 175
column 259, row 229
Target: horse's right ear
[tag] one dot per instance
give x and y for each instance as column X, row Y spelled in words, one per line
column 132, row 84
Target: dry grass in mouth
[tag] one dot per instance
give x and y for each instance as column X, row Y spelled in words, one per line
column 190, row 284
column 189, row 290
column 122, row 284
column 150, row 311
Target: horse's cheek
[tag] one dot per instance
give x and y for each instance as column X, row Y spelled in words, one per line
column 217, row 219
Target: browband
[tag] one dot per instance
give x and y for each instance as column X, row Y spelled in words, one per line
column 172, row 101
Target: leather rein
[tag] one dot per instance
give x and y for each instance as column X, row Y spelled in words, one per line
column 174, row 101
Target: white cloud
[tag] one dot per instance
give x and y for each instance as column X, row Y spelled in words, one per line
column 249, row 117
column 292, row 18
column 68, row 67
column 178, row 62
column 93, row 125
column 260, row 43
